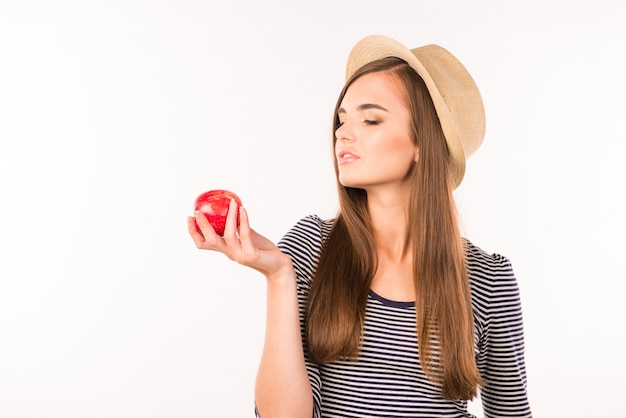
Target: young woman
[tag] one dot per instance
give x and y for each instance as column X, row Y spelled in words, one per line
column 385, row 310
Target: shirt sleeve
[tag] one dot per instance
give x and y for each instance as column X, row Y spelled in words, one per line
column 303, row 244
column 501, row 347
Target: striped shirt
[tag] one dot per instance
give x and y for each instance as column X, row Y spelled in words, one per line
column 387, row 380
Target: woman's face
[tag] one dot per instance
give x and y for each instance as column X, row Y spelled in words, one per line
column 374, row 146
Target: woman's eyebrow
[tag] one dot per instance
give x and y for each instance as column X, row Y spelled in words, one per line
column 364, row 106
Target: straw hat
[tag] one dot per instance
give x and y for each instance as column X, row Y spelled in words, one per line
column 453, row 91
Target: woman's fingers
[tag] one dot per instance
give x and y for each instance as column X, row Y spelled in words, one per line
column 192, row 227
column 247, row 245
column 240, row 243
column 206, row 238
column 230, row 229
column 244, row 223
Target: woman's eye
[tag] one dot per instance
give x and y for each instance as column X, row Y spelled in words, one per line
column 371, row 122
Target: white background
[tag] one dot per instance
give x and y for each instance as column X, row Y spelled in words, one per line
column 115, row 115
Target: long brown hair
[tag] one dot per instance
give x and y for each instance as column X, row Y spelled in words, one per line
column 347, row 264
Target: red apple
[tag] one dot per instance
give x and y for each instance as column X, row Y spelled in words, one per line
column 214, row 205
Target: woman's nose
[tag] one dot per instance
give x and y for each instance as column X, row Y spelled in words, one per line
column 344, row 134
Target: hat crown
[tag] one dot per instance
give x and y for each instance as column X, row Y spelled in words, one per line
column 456, row 97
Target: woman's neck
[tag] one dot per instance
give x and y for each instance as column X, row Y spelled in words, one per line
column 393, row 278
column 389, row 218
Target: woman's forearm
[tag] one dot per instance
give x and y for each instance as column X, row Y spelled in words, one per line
column 282, row 387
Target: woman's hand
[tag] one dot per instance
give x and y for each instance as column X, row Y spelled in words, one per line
column 243, row 244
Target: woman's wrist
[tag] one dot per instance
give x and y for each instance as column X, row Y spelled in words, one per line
column 284, row 276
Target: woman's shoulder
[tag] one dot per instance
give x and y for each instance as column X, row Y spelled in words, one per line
column 489, row 273
column 483, row 263
column 308, row 229
column 304, row 241
column 491, row 276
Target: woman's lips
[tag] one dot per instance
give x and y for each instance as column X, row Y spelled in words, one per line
column 346, row 156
